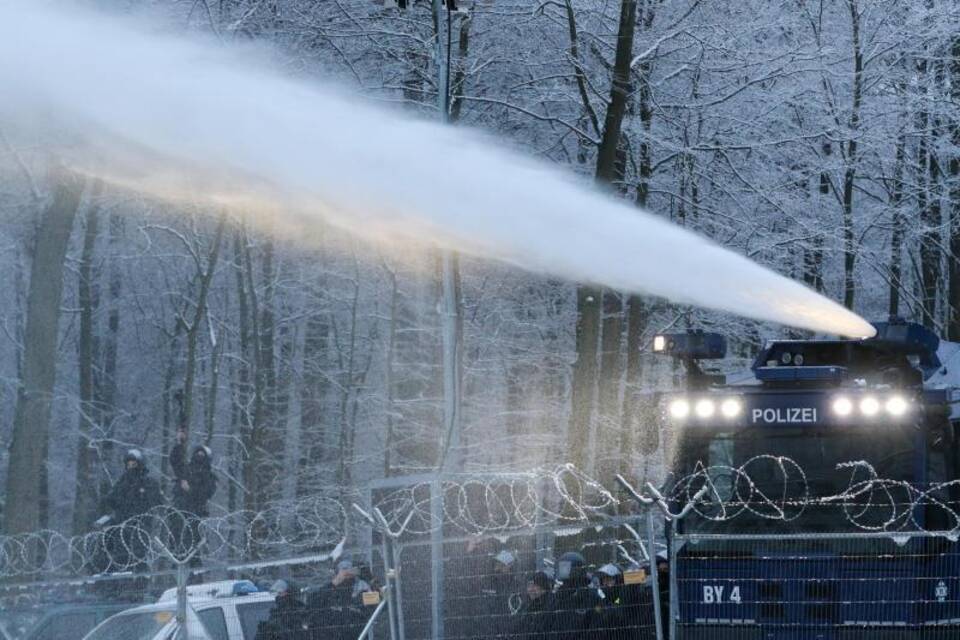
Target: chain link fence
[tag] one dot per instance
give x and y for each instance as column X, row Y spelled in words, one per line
column 541, row 556
column 423, row 557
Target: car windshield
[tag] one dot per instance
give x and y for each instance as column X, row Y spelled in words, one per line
column 761, row 480
column 132, row 626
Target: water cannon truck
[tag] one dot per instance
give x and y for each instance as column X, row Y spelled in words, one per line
column 832, row 503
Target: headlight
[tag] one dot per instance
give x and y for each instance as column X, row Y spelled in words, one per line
column 897, row 406
column 842, row 406
column 659, row 343
column 869, row 406
column 731, row 408
column 704, row 408
column 679, row 409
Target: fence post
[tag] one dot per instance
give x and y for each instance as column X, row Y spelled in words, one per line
column 389, row 577
column 658, row 500
column 648, row 504
column 182, row 573
column 398, row 595
column 674, row 595
column 436, row 559
column 654, row 575
column 391, row 571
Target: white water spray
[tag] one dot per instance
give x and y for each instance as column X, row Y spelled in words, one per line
column 186, row 119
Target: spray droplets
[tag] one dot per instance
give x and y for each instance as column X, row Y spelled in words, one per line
column 187, row 120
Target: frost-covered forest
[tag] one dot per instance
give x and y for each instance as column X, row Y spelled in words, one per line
column 817, row 137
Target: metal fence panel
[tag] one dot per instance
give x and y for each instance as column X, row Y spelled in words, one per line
column 866, row 585
column 486, row 591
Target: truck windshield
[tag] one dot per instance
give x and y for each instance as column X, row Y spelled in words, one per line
column 774, row 481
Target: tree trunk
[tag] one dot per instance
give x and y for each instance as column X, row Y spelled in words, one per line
column 85, row 499
column 313, row 395
column 214, row 390
column 265, row 405
column 931, row 241
column 611, row 374
column 31, row 425
column 585, row 378
column 897, row 222
column 953, row 320
column 106, row 387
column 388, row 381
column 205, row 277
column 250, row 392
column 240, row 416
column 451, row 327
column 347, row 389
column 636, row 325
column 636, row 311
column 928, row 201
column 460, row 76
column 850, row 170
column 619, row 93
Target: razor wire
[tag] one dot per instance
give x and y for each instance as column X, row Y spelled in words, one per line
column 471, row 504
column 477, row 505
column 722, row 493
column 283, row 527
column 490, row 504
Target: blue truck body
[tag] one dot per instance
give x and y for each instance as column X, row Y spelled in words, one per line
column 806, row 553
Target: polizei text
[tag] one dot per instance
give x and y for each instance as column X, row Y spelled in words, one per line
column 784, row 415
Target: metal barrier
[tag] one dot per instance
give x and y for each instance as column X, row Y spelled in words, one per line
column 477, row 556
column 465, row 558
column 870, row 585
column 489, row 586
column 516, row 585
column 424, row 556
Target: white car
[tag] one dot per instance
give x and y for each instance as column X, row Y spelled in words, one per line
column 213, row 613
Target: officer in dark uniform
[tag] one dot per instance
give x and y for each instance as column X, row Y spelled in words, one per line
column 336, row 610
column 193, row 486
column 535, row 619
column 131, row 497
column 620, row 615
column 135, row 492
column 577, row 600
column 288, row 618
column 498, row 585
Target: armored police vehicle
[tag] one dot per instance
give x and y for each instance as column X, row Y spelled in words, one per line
column 828, row 506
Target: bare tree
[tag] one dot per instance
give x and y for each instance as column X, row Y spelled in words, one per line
column 28, row 465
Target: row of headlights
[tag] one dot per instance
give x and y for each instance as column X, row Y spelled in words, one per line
column 842, row 406
column 870, row 406
column 706, row 408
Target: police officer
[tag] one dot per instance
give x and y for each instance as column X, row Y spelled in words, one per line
column 465, row 578
column 131, row 497
column 534, row 620
column 135, row 492
column 614, row 619
column 577, row 601
column 194, row 482
column 336, row 610
column 288, row 617
column 193, row 486
column 497, row 586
